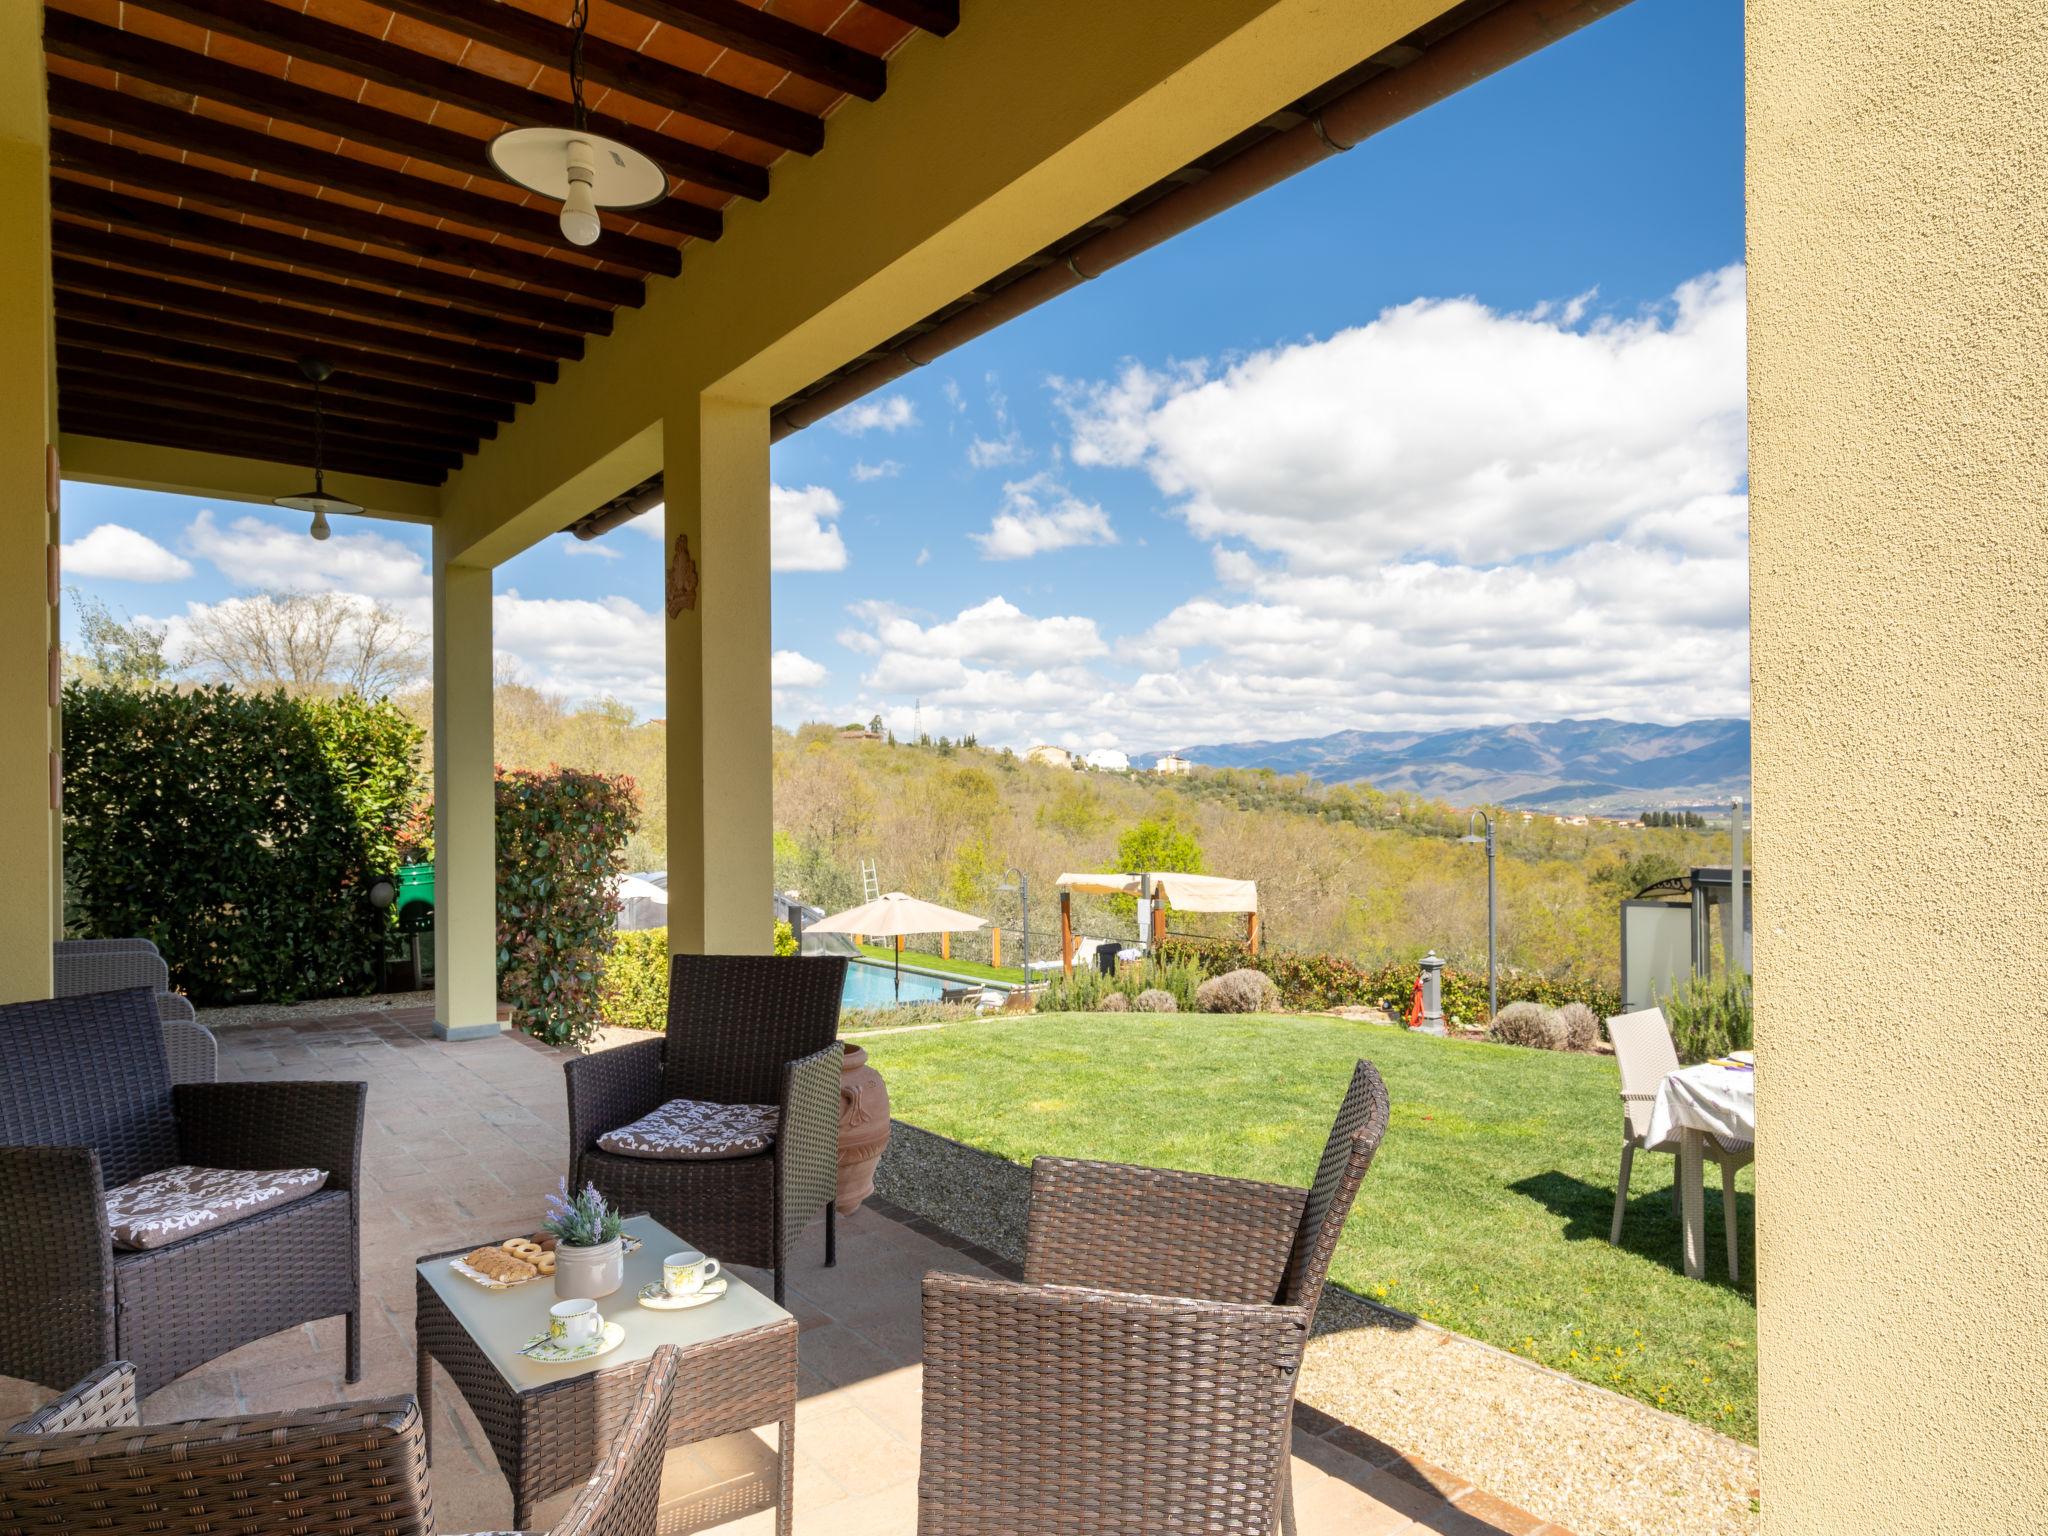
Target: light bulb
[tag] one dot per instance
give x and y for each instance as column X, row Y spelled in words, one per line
column 320, row 530
column 579, row 208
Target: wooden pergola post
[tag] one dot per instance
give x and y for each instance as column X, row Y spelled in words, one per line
column 1158, row 921
column 1251, row 930
column 1067, row 934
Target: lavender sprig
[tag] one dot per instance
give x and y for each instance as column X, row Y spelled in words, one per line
column 582, row 1220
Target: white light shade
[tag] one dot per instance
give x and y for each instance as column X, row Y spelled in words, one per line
column 320, row 504
column 582, row 171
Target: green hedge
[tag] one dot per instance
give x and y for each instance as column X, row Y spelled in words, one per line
column 561, row 849
column 1331, row 981
column 632, row 991
column 239, row 832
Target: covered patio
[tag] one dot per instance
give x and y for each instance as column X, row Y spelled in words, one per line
column 202, row 192
column 465, row 1140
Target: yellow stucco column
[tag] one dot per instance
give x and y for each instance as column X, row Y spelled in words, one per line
column 465, row 804
column 720, row 791
column 30, row 875
column 1899, row 569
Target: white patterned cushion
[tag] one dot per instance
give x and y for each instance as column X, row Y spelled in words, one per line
column 693, row 1128
column 174, row 1203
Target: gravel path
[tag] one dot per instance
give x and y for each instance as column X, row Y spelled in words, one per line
column 1598, row 1462
column 317, row 1008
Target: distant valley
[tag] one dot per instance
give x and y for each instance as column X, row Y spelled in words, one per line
column 1605, row 766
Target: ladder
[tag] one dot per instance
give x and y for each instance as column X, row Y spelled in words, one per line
column 870, row 883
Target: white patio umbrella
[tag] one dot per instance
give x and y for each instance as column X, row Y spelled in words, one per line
column 895, row 915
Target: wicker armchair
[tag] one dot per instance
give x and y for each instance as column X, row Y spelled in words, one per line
column 87, row 1104
column 742, row 1029
column 83, row 966
column 86, row 1463
column 1141, row 1379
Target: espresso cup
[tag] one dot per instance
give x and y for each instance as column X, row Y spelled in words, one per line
column 687, row 1273
column 574, row 1322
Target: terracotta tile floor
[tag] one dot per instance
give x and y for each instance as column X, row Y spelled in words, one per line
column 461, row 1144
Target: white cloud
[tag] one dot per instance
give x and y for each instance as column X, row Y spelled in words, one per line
column 886, row 470
column 801, row 534
column 589, row 549
column 112, row 552
column 992, row 452
column 1449, row 516
column 1443, row 428
column 1038, row 515
column 793, row 669
column 890, row 413
column 583, row 649
column 254, row 553
column 924, row 557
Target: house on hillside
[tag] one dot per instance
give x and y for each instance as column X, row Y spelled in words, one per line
column 1107, row 760
column 1173, row 763
column 1050, row 757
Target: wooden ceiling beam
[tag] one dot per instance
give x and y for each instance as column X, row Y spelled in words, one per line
column 250, row 416
column 304, row 288
column 765, row 36
column 290, row 427
column 79, row 200
column 938, row 17
column 240, row 445
column 179, row 69
column 113, row 384
column 541, row 41
column 265, row 315
column 238, row 194
column 172, row 377
column 92, row 335
column 75, row 101
column 452, row 382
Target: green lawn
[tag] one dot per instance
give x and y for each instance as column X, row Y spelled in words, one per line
column 927, row 962
column 1486, row 1210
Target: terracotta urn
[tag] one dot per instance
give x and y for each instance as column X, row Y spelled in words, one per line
column 863, row 1128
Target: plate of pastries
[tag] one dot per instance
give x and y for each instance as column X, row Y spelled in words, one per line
column 499, row 1266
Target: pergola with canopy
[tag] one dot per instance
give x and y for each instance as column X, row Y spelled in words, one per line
column 1162, row 889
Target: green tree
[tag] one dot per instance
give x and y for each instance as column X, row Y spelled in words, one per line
column 1158, row 843
column 116, row 654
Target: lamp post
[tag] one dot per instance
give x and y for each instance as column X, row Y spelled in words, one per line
column 1023, row 890
column 1492, row 905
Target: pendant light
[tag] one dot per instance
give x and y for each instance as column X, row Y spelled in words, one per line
column 317, row 501
column 581, row 170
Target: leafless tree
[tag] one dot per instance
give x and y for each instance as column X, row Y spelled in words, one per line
column 307, row 643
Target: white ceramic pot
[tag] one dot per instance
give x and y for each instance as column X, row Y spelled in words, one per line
column 590, row 1272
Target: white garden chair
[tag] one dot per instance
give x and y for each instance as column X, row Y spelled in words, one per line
column 1644, row 1050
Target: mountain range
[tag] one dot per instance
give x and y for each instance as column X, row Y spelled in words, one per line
column 1605, row 765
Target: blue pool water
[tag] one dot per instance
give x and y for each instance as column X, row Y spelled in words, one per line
column 869, row 985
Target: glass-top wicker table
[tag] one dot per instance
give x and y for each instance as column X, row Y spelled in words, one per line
column 551, row 1424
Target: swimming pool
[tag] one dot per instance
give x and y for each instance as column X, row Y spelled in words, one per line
column 869, row 985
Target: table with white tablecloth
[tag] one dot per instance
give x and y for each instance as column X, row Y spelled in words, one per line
column 1694, row 1103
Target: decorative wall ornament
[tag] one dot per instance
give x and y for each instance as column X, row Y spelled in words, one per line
column 682, row 578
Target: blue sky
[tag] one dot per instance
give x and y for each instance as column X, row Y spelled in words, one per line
column 1447, row 430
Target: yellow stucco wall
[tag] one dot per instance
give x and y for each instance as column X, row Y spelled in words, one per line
column 28, row 825
column 1898, row 219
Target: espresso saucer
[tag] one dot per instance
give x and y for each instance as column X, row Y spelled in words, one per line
column 655, row 1299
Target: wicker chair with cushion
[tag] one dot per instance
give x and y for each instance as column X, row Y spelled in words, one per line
column 725, row 1130
column 86, row 1463
column 1646, row 1054
column 170, row 1224
column 1141, row 1378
